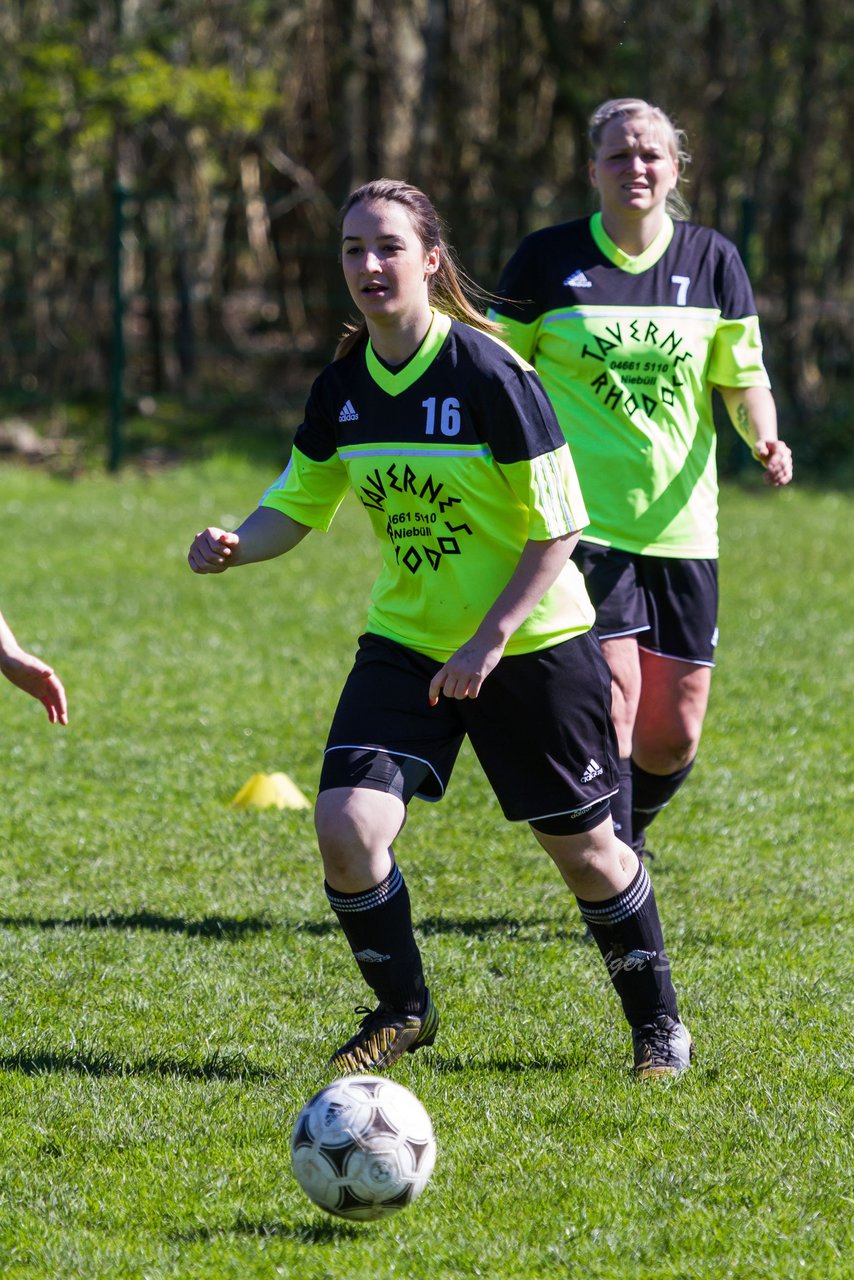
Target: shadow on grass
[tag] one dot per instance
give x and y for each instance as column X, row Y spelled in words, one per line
column 494, row 926
column 219, row 927
column 328, row 1231
column 226, row 929
column 468, row 927
column 39, row 1061
column 562, row 1065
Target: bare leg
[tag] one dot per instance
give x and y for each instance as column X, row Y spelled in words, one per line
column 367, row 892
column 616, row 898
column 674, row 696
column 623, row 657
column 356, row 828
column 595, row 865
column 673, row 703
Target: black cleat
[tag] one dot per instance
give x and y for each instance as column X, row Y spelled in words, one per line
column 385, row 1035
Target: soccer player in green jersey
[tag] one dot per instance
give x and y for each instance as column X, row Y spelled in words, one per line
column 32, row 675
column 479, row 623
column 632, row 320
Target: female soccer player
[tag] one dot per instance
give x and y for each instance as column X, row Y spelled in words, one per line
column 32, row 675
column 632, row 320
column 479, row 623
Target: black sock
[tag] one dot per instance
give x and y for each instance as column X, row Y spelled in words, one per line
column 378, row 926
column 628, row 934
column 621, row 803
column 652, row 792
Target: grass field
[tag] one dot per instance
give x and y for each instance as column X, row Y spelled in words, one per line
column 172, row 980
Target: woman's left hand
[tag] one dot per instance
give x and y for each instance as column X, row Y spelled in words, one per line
column 38, row 680
column 776, row 458
column 465, row 671
column 539, row 566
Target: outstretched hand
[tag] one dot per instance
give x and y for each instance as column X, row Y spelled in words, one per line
column 211, row 550
column 38, row 680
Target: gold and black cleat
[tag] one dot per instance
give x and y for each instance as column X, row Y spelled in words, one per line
column 384, row 1036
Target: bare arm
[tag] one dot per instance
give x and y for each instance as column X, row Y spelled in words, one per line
column 32, row 675
column 264, row 534
column 539, row 567
column 754, row 416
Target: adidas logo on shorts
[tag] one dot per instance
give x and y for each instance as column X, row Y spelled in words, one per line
column 593, row 770
column 348, row 413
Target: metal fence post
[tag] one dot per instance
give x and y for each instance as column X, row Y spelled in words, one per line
column 117, row 354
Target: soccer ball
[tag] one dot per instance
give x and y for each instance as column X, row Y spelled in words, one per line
column 363, row 1147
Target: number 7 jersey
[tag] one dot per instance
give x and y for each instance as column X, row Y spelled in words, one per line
column 459, row 460
column 629, row 350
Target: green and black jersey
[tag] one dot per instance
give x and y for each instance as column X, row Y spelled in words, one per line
column 629, row 350
column 459, row 460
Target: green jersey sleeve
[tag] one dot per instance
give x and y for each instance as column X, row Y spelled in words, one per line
column 548, row 488
column 735, row 359
column 521, row 337
column 309, row 491
column 312, row 486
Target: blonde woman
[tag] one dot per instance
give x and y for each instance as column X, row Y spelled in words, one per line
column 632, row 319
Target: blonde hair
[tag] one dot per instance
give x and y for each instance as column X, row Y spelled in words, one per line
column 450, row 290
column 674, row 138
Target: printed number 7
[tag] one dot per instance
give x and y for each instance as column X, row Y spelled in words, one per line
column 682, row 294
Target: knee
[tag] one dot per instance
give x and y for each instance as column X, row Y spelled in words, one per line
column 337, row 836
column 589, row 861
column 671, row 754
column 355, row 832
column 587, row 866
column 683, row 752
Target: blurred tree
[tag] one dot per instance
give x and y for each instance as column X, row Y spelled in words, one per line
column 237, row 130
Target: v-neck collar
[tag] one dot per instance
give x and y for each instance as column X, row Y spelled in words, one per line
column 394, row 383
column 627, row 261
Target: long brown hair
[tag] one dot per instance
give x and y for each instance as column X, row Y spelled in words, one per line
column 626, row 108
column 450, row 290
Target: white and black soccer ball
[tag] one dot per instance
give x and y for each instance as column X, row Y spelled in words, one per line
column 363, row 1147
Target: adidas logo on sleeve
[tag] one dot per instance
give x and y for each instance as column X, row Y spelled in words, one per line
column 348, row 413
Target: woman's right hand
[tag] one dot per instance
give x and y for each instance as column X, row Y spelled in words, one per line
column 211, row 551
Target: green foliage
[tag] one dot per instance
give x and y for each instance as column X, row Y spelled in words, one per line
column 143, row 84
column 60, row 91
column 484, row 104
column 172, row 980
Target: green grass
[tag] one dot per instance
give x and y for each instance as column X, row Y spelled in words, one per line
column 172, row 981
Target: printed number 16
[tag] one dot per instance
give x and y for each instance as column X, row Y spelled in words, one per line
column 449, row 416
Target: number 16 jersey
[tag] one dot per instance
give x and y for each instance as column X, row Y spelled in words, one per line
column 459, row 460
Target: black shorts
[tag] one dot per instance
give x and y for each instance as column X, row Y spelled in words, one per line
column 540, row 727
column 670, row 605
